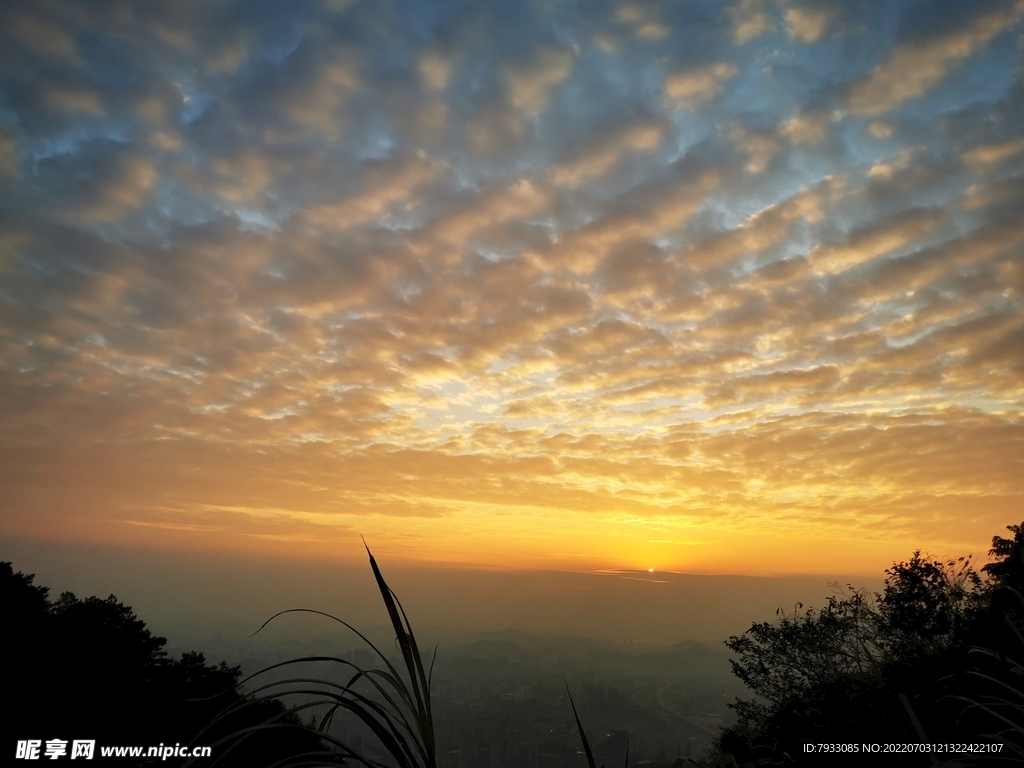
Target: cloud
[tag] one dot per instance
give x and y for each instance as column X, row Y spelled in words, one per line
column 776, row 383
column 520, row 198
column 160, row 104
column 316, row 103
column 605, row 154
column 879, row 129
column 914, row 68
column 74, row 100
column 384, row 184
column 653, row 31
column 229, row 58
column 47, row 38
column 127, row 188
column 758, row 147
column 891, row 166
column 495, row 129
column 876, row 240
column 430, row 123
column 749, row 21
column 767, row 228
column 242, row 177
column 807, row 24
column 668, row 207
column 691, row 88
column 435, row 70
column 530, row 86
column 808, row 128
column 984, row 156
column 168, row 141
column 9, row 156
column 606, row 43
column 984, row 195
column 174, row 35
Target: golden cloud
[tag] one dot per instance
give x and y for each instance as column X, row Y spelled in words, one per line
column 582, row 249
column 383, row 187
column 496, row 128
column 606, row 154
column 46, row 38
column 808, row 24
column 984, row 156
column 913, row 69
column 759, row 148
column 870, row 243
column 749, row 21
column 229, row 58
column 808, row 128
column 125, row 192
column 435, row 70
column 518, row 199
column 9, row 156
column 879, row 129
column 74, row 100
column 691, row 88
column 530, row 87
column 316, row 104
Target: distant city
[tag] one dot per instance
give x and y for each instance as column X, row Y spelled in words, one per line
column 501, row 702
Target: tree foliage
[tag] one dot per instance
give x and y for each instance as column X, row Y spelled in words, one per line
column 1007, row 566
column 891, row 665
column 91, row 669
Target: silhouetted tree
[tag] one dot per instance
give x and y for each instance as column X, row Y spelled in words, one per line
column 90, row 669
column 1007, row 569
column 878, row 664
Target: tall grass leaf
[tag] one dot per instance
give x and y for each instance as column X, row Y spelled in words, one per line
column 411, row 654
column 917, row 724
column 410, row 743
column 579, row 726
column 365, row 709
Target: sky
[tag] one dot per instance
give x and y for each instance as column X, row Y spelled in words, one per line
column 562, row 286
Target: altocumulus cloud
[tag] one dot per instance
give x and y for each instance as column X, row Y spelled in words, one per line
column 279, row 272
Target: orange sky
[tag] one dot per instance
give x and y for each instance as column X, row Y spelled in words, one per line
column 704, row 289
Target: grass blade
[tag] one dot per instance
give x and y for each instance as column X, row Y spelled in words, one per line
column 398, row 714
column 579, row 726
